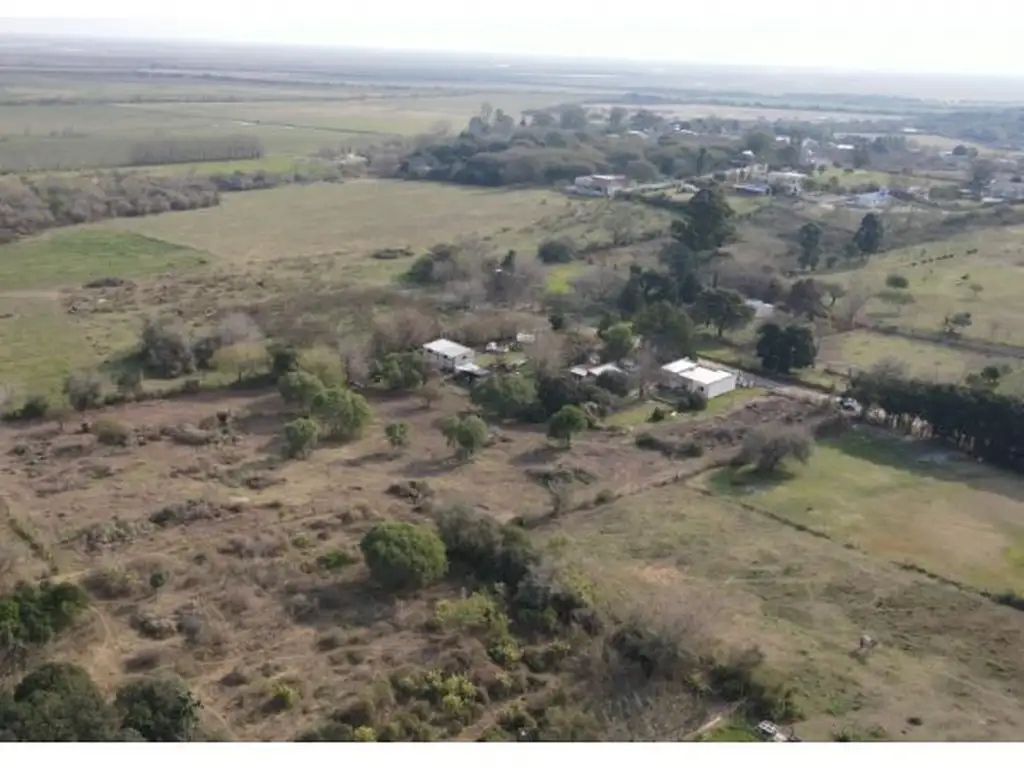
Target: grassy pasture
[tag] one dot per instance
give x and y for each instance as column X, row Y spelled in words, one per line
column 943, row 287
column 904, row 501
column 860, row 350
column 66, row 257
column 705, row 567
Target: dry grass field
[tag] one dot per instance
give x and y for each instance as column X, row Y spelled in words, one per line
column 946, row 665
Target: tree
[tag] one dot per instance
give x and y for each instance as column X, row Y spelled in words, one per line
column 397, row 434
column 667, row 329
column 301, row 437
column 56, row 702
column 618, row 342
column 768, row 448
column 127, row 380
column 953, row 324
column 465, row 434
column 555, row 252
column 707, row 221
column 342, row 414
column 557, row 320
column 724, row 309
column 402, row 556
column 403, row 371
column 809, row 237
column 782, row 350
column 325, row 363
column 617, row 118
column 165, row 349
column 299, row 388
column 759, row 142
column 244, row 359
column 897, row 282
column 868, row 237
column 84, row 390
column 160, row 710
column 572, row 118
column 506, row 397
column 568, row 422
column 806, row 297
column 983, row 171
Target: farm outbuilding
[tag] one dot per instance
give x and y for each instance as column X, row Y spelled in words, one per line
column 688, row 375
column 448, row 355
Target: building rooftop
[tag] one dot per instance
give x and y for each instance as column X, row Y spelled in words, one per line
column 679, row 366
column 447, row 348
column 705, row 376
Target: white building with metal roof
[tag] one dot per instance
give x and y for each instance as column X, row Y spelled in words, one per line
column 448, row 355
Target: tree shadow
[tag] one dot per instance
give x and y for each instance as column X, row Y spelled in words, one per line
column 430, row 467
column 369, row 458
column 738, row 482
column 542, row 454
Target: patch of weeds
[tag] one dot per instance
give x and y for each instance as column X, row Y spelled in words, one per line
column 111, row 584
column 478, row 612
column 364, row 733
column 335, row 560
column 111, row 432
column 505, row 651
column 282, row 697
column 604, row 496
column 301, row 541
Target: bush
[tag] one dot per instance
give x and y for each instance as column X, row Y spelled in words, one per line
column 569, row 421
column 299, row 388
column 335, row 559
column 34, row 615
column 896, row 281
column 615, row 382
column 400, row 371
column 83, row 390
column 57, row 702
column 692, row 401
column 466, row 434
column 768, row 448
column 35, row 407
column 343, row 414
column 324, row 363
column 111, row 432
column 657, row 415
column 165, row 350
column 301, row 437
column 160, row 710
column 403, row 556
column 555, row 252
column 494, row 553
column 397, row 434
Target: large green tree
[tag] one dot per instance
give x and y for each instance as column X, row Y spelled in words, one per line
column 707, row 222
column 809, row 238
column 159, row 709
column 57, row 702
column 722, row 308
column 782, row 350
column 667, row 329
column 868, row 237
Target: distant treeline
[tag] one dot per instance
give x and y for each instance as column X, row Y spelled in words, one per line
column 978, row 421
column 535, row 155
column 165, row 151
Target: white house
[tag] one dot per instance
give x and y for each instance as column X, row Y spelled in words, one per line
column 706, row 381
column 604, row 184
column 761, row 309
column 671, row 373
column 447, row 355
column 791, row 182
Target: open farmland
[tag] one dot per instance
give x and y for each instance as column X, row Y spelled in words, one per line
column 905, row 502
column 987, row 283
column 712, row 571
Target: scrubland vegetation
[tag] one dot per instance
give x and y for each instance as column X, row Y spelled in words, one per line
column 241, row 503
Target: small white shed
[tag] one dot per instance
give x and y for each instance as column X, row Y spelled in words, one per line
column 708, row 382
column 448, row 355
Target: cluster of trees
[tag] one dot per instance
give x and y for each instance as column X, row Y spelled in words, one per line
column 782, row 350
column 33, row 615
column 327, row 412
column 543, row 153
column 866, row 241
column 165, row 151
column 29, row 205
column 977, row 420
column 59, row 702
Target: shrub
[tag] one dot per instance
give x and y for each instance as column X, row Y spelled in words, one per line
column 335, row 559
column 160, row 710
column 129, row 381
column 692, row 401
column 555, row 252
column 896, row 281
column 245, row 360
column 111, row 432
column 343, row 414
column 402, row 371
column 478, row 612
column 299, row 388
column 324, row 363
column 165, row 350
column 57, row 702
column 466, row 434
column 83, row 390
column 494, row 553
column 282, row 697
column 397, row 434
column 34, row 615
column 35, row 407
column 615, row 382
column 767, row 449
column 569, row 421
column 657, row 415
column 505, row 651
column 301, row 437
column 404, row 556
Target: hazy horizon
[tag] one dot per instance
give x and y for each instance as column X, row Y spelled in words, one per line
column 871, row 37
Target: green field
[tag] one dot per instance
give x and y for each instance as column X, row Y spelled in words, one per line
column 68, row 257
column 944, row 287
column 904, row 501
column 860, row 350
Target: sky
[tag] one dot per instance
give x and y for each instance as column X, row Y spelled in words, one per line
column 913, row 36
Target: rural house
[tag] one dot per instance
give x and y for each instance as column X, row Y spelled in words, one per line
column 688, row 375
column 448, row 355
column 600, row 184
